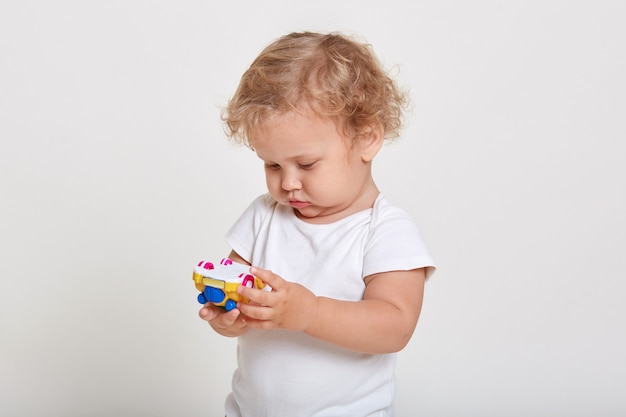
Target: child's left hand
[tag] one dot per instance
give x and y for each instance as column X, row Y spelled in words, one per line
column 288, row 306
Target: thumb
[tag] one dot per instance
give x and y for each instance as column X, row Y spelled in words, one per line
column 208, row 313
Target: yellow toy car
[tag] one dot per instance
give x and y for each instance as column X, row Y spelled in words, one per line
column 218, row 283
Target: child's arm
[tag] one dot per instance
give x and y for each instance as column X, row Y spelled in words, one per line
column 229, row 323
column 382, row 322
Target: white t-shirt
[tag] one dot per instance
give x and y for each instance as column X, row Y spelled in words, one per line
column 290, row 374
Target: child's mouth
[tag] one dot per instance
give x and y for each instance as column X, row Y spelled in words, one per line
column 298, row 204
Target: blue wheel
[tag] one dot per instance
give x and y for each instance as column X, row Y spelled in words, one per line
column 202, row 299
column 214, row 295
column 230, row 304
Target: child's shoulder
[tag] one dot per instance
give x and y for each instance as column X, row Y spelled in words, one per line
column 384, row 210
column 264, row 200
column 262, row 203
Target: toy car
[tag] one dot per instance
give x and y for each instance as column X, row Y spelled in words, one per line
column 218, row 283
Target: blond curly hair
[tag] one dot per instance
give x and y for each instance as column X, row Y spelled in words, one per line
column 332, row 74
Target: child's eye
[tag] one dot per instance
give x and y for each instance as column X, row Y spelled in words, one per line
column 307, row 166
column 272, row 166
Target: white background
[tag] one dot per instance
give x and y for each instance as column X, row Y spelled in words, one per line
column 116, row 177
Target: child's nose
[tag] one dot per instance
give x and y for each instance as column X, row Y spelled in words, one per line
column 290, row 182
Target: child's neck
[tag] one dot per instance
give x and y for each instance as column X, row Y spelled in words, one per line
column 364, row 201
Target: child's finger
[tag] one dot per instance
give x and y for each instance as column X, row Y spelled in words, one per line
column 256, row 314
column 267, row 276
column 255, row 296
column 216, row 316
column 207, row 313
column 227, row 319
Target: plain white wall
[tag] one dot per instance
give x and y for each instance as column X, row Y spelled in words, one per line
column 115, row 177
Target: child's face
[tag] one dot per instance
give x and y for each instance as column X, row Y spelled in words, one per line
column 312, row 167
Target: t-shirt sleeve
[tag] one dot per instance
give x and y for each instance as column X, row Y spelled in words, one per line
column 241, row 236
column 395, row 244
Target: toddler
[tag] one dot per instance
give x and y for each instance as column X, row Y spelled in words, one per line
column 346, row 267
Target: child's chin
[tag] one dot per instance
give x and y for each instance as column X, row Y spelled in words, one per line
column 306, row 212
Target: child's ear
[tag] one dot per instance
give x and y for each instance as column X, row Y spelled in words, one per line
column 372, row 142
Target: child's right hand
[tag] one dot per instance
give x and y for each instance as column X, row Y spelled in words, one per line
column 230, row 324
